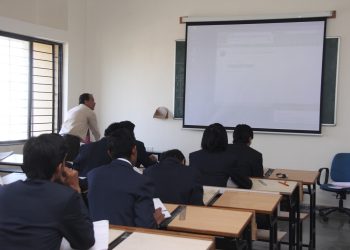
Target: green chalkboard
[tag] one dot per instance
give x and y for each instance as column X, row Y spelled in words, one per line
column 328, row 102
column 329, row 88
column 179, row 79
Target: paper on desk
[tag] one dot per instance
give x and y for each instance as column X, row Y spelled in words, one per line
column 101, row 232
column 3, row 155
column 157, row 204
column 341, row 184
column 7, row 179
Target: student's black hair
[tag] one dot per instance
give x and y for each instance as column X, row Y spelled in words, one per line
column 84, row 97
column 111, row 128
column 173, row 153
column 121, row 143
column 128, row 125
column 242, row 133
column 42, row 155
column 214, row 138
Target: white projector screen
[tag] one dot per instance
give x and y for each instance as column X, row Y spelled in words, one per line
column 267, row 74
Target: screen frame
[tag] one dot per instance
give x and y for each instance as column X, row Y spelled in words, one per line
column 284, row 20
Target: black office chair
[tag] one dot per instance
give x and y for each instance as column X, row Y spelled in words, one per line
column 339, row 172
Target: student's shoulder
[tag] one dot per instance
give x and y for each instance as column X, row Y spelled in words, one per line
column 196, row 153
column 254, row 152
column 151, row 169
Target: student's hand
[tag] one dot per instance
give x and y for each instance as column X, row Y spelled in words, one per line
column 71, row 178
column 158, row 216
column 67, row 176
column 153, row 158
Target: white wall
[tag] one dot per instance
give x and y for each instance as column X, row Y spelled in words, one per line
column 130, row 69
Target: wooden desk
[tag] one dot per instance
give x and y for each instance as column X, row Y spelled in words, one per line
column 122, row 237
column 291, row 192
column 170, row 207
column 261, row 203
column 308, row 179
column 213, row 221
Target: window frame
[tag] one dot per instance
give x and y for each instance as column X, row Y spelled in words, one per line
column 56, row 79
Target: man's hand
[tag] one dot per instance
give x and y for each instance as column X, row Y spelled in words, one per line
column 158, row 216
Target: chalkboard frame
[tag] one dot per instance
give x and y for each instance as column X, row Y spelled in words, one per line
column 329, row 88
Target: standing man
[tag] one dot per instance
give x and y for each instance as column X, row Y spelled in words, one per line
column 78, row 124
column 38, row 212
column 250, row 161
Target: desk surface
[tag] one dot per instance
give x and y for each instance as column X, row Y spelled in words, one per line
column 170, row 207
column 306, row 177
column 211, row 221
column 268, row 185
column 265, row 203
column 142, row 238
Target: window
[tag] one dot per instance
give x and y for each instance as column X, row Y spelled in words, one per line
column 30, row 83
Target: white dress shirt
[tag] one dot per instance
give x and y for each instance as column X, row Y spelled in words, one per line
column 79, row 120
column 133, row 167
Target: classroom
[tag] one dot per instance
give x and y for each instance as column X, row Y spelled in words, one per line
column 124, row 53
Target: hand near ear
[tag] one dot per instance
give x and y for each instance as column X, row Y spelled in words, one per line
column 158, row 216
column 67, row 177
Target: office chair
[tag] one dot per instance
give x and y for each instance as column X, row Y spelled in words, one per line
column 339, row 172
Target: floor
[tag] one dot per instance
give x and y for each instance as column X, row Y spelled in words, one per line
column 331, row 235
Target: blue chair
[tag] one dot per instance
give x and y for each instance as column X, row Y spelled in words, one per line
column 339, row 172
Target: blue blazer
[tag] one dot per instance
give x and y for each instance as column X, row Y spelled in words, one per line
column 36, row 214
column 121, row 195
column 175, row 183
column 92, row 155
column 249, row 161
column 216, row 168
column 95, row 154
column 142, row 155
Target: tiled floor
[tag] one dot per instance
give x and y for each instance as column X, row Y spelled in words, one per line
column 331, row 235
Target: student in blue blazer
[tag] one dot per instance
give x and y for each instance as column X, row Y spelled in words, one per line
column 174, row 181
column 214, row 162
column 38, row 212
column 117, row 192
column 250, row 161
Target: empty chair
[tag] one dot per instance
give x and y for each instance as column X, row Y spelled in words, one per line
column 340, row 176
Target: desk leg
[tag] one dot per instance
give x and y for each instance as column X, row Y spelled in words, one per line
column 291, row 229
column 294, row 219
column 247, row 236
column 299, row 230
column 312, row 242
column 273, row 231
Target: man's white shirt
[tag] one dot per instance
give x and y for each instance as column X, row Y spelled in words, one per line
column 79, row 120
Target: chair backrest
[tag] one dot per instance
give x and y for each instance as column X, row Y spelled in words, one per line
column 340, row 169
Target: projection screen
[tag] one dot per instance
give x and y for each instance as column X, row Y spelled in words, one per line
column 267, row 74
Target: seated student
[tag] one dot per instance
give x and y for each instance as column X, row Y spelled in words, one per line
column 175, row 182
column 250, row 162
column 142, row 156
column 117, row 192
column 93, row 155
column 38, row 212
column 214, row 163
